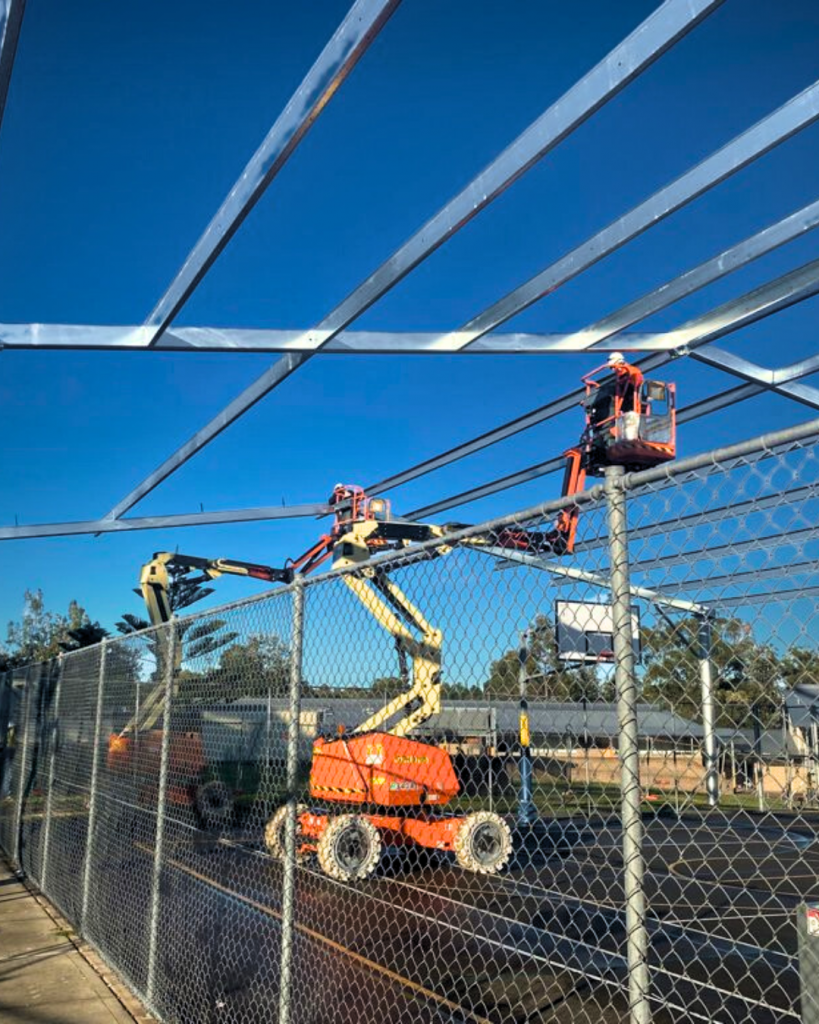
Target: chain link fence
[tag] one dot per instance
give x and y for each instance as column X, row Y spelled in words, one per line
column 598, row 801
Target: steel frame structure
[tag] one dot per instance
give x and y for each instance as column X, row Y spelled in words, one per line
column 11, row 19
column 669, row 23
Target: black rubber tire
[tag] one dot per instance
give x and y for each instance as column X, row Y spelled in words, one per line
column 274, row 830
column 349, row 848
column 214, row 804
column 483, row 843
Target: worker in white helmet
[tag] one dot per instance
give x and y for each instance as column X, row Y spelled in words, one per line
column 629, row 380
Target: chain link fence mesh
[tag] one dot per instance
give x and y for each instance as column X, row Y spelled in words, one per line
column 586, row 788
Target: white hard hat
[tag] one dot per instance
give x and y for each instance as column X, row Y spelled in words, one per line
column 615, row 359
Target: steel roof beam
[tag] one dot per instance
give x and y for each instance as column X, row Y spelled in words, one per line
column 96, row 526
column 748, row 576
column 772, row 130
column 102, row 337
column 790, row 596
column 571, row 574
column 11, row 19
column 228, row 339
column 664, row 27
column 754, row 374
column 363, row 22
column 754, row 305
column 770, row 543
column 720, row 514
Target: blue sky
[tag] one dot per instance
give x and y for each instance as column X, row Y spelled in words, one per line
column 125, row 128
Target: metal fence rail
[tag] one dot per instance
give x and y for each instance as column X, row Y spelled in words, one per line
column 634, row 735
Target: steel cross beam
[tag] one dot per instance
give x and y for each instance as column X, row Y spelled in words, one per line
column 731, row 316
column 691, row 412
column 772, row 130
column 11, row 18
column 763, row 301
column 95, row 526
column 664, row 27
column 102, row 337
column 769, row 379
column 363, row 22
column 753, row 311
column 598, row 335
column 571, row 574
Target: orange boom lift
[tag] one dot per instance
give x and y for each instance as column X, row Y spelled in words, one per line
column 395, row 787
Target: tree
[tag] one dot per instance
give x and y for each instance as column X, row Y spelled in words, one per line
column 42, row 635
column 548, row 678
column 800, row 666
column 195, row 639
column 387, row 686
column 257, row 667
column 746, row 674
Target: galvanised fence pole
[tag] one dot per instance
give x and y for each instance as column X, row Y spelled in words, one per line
column 5, row 714
column 161, row 802
column 526, row 806
column 629, row 750
column 20, row 755
column 95, row 769
column 52, row 756
column 289, row 868
column 705, row 641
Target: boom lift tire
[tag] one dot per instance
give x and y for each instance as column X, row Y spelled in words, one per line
column 349, row 848
column 214, row 804
column 274, row 831
column 483, row 843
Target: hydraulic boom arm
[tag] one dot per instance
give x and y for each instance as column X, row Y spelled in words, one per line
column 154, row 581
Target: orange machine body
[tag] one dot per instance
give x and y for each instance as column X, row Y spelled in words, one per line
column 140, row 753
column 419, row 829
column 379, row 768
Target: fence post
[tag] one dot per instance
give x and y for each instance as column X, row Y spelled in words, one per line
column 705, row 640
column 52, row 756
column 629, row 750
column 5, row 720
column 20, row 755
column 162, row 794
column 95, row 765
column 526, row 808
column 807, row 929
column 289, row 866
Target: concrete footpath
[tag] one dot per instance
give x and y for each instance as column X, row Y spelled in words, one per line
column 47, row 974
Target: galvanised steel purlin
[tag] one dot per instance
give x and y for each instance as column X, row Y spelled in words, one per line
column 728, row 261
column 740, row 367
column 790, row 118
column 765, row 597
column 11, row 19
column 717, row 514
column 668, row 24
column 229, row 339
column 768, row 545
column 598, row 335
column 350, row 41
column 246, row 515
column 746, row 309
column 573, row 574
column 697, row 410
column 729, row 581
